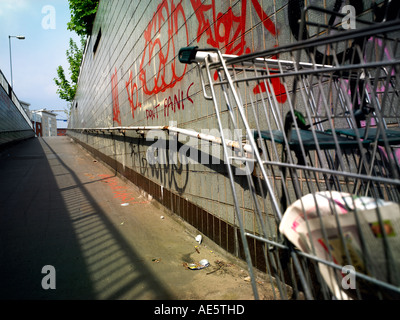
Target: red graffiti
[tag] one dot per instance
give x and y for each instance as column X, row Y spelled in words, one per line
column 152, row 113
column 115, row 99
column 173, row 102
column 177, row 102
column 227, row 30
column 267, row 22
column 133, row 94
column 159, row 69
column 278, row 89
column 163, row 54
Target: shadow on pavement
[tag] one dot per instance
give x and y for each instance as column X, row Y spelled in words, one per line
column 47, row 217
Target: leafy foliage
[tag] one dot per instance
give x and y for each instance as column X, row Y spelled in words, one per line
column 67, row 88
column 83, row 13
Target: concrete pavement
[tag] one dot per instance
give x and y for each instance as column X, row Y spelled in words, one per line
column 61, row 207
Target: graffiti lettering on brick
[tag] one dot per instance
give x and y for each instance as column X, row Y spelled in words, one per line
column 161, row 48
column 115, row 100
column 167, row 31
column 176, row 102
column 227, row 30
column 173, row 103
column 133, row 94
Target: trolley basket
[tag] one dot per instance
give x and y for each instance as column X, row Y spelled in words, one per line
column 314, row 170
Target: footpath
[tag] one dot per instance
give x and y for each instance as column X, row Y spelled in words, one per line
column 70, row 228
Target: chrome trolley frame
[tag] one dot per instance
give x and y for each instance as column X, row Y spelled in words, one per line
column 320, row 157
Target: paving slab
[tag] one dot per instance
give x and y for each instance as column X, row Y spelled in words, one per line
column 103, row 238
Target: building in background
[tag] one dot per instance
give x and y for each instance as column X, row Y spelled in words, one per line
column 25, row 106
column 44, row 123
column 61, row 132
column 37, row 124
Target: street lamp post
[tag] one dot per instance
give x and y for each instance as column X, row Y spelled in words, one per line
column 9, row 43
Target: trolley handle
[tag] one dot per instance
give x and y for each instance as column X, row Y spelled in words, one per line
column 187, row 55
column 190, row 55
column 194, row 55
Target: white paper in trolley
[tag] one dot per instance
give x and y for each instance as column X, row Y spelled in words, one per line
column 320, row 223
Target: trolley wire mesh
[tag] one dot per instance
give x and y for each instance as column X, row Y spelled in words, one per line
column 322, row 180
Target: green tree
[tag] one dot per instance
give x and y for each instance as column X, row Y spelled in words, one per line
column 67, row 88
column 83, row 13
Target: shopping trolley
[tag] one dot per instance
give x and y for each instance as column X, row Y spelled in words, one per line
column 317, row 143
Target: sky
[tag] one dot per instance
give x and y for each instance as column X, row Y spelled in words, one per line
column 35, row 59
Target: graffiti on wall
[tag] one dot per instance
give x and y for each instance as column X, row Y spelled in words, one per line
column 167, row 31
column 173, row 102
column 225, row 29
column 163, row 53
column 133, row 94
column 115, row 99
column 219, row 26
column 160, row 50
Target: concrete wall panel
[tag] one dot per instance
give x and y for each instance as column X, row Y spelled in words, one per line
column 14, row 122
